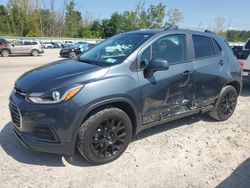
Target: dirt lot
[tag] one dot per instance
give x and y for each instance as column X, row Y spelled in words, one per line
column 192, row 152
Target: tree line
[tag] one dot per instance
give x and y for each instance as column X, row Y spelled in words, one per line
column 40, row 18
column 36, row 18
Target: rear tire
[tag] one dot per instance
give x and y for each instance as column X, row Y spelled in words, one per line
column 34, row 53
column 225, row 105
column 72, row 55
column 104, row 136
column 5, row 53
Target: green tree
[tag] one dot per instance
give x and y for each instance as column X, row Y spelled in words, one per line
column 175, row 17
column 107, row 30
column 5, row 24
column 73, row 20
column 156, row 15
column 96, row 29
column 129, row 21
column 19, row 16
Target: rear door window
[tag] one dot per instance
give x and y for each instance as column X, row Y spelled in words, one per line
column 27, row 43
column 203, row 46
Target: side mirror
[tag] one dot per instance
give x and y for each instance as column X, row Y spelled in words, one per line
column 12, row 45
column 155, row 65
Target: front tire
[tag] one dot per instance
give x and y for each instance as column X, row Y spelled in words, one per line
column 225, row 105
column 104, row 136
column 5, row 53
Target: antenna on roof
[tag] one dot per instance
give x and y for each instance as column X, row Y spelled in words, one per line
column 208, row 31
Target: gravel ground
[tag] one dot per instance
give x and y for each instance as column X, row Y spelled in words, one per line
column 191, row 152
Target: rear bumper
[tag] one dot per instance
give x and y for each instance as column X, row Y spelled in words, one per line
column 246, row 75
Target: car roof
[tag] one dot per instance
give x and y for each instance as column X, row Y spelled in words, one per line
column 176, row 31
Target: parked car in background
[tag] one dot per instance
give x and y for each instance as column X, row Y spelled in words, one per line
column 55, row 45
column 98, row 103
column 3, row 43
column 245, row 63
column 237, row 50
column 243, row 55
column 67, row 43
column 47, row 45
column 33, row 48
column 75, row 50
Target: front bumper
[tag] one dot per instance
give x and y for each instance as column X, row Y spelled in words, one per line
column 45, row 128
column 41, row 51
column 33, row 143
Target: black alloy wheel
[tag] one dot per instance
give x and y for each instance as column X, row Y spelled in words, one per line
column 108, row 138
column 226, row 104
column 105, row 135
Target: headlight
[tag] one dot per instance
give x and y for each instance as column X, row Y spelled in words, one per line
column 55, row 96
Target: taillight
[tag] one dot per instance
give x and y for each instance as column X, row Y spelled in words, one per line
column 241, row 62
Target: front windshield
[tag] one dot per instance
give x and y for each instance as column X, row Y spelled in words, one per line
column 116, row 49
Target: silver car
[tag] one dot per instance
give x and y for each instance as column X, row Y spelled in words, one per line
column 33, row 48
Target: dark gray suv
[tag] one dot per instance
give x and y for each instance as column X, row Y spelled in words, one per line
column 122, row 86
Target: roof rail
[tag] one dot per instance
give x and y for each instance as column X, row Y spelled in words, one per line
column 208, row 31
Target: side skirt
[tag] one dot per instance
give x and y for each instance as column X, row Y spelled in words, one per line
column 172, row 118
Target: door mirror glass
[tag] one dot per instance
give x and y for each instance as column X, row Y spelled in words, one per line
column 154, row 66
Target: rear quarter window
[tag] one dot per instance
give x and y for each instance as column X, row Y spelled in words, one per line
column 217, row 48
column 203, row 46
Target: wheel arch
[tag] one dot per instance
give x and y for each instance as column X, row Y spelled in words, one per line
column 5, row 49
column 236, row 84
column 122, row 103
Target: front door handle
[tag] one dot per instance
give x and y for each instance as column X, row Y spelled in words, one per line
column 186, row 73
column 221, row 62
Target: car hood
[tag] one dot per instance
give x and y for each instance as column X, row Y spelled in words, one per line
column 59, row 74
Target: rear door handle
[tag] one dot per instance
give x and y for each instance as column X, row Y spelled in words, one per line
column 186, row 73
column 221, row 62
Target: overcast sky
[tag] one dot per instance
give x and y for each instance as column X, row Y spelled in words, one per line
column 197, row 13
